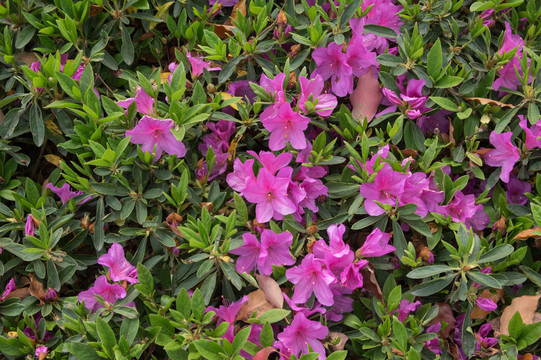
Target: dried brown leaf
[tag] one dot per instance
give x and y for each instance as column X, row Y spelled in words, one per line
column 272, row 290
column 257, row 302
column 526, row 234
column 366, row 97
column 264, row 353
column 526, row 305
column 36, row 288
column 445, row 315
column 26, row 57
column 485, row 101
column 19, row 293
column 371, row 283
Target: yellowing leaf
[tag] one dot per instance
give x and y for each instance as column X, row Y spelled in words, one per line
column 226, row 96
column 52, row 127
column 161, row 14
column 53, row 159
column 165, row 76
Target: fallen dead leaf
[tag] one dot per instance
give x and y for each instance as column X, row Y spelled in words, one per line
column 445, row 315
column 451, row 129
column 526, row 305
column 272, row 290
column 526, row 234
column 19, row 293
column 485, row 101
column 366, row 97
column 26, row 57
column 343, row 340
column 36, row 288
column 264, row 353
column 53, row 159
column 371, row 283
column 477, row 312
column 227, row 28
column 257, row 302
column 405, row 152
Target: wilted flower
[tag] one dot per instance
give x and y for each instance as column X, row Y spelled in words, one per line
column 29, row 226
column 41, row 351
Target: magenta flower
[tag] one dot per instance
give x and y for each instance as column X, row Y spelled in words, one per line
column 516, row 191
column 242, row 175
column 228, row 313
column 218, row 139
column 505, row 154
column 273, row 250
column 156, row 134
column 533, row 134
column 10, row 287
column 275, row 86
column 286, row 126
column 225, row 3
column 311, row 90
column 143, row 101
column 406, row 307
column 311, row 277
column 463, row 209
column 337, row 256
column 387, row 187
column 119, row 268
column 351, row 276
column 29, row 226
column 376, row 244
column 41, row 350
column 64, row 193
column 270, row 161
column 508, row 76
column 411, row 100
column 483, row 340
column 198, row 65
column 270, row 195
column 50, row 294
column 510, row 41
column 486, row 304
column 109, row 292
column 301, row 333
column 434, row 344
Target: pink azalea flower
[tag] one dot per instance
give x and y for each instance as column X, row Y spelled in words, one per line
column 332, row 63
column 376, row 244
column 533, row 134
column 225, row 3
column 270, row 161
column 486, row 304
column 311, row 277
column 483, row 340
column 434, row 344
column 151, row 133
column 516, row 191
column 337, row 255
column 64, row 193
column 316, row 308
column 273, row 250
column 388, row 185
column 119, row 268
column 242, row 175
column 508, row 76
column 228, row 313
column 311, row 90
column 198, row 65
column 510, row 41
column 10, row 287
column 405, row 308
column 286, row 126
column 351, row 276
column 384, row 13
column 270, row 195
column 41, row 350
column 412, row 97
column 29, row 226
column 275, row 86
column 301, row 333
column 144, row 102
column 342, row 303
column 50, row 294
column 463, row 209
column 109, row 292
column 505, row 154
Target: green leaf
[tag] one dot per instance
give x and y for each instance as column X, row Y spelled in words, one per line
column 530, row 334
column 400, row 334
column 145, row 279
column 266, row 337
column 338, row 355
column 37, row 128
column 433, row 286
column 380, row 30
column 240, row 339
column 445, row 103
column 208, row 349
column 126, row 49
column 273, row 315
column 435, row 60
column 106, row 334
column 515, row 326
column 428, row 271
column 448, row 81
column 497, row 253
column 399, row 241
column 484, row 279
column 532, row 275
column 82, row 351
column 349, row 12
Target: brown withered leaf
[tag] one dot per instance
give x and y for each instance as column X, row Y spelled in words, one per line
column 526, row 305
column 451, row 129
column 19, row 293
column 272, row 290
column 526, row 234
column 343, row 340
column 227, row 28
column 264, row 353
column 477, row 312
column 240, row 6
column 366, row 97
column 371, row 283
column 445, row 315
column 257, row 302
column 485, row 101
column 36, row 288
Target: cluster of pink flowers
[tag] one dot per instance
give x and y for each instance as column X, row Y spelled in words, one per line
column 120, row 270
column 218, row 139
column 275, row 190
column 411, row 100
column 508, row 77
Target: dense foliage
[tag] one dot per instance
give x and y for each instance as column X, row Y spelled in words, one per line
column 350, row 179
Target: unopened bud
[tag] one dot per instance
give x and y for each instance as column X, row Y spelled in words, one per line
column 281, row 21
column 292, row 81
column 311, row 230
column 207, row 205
